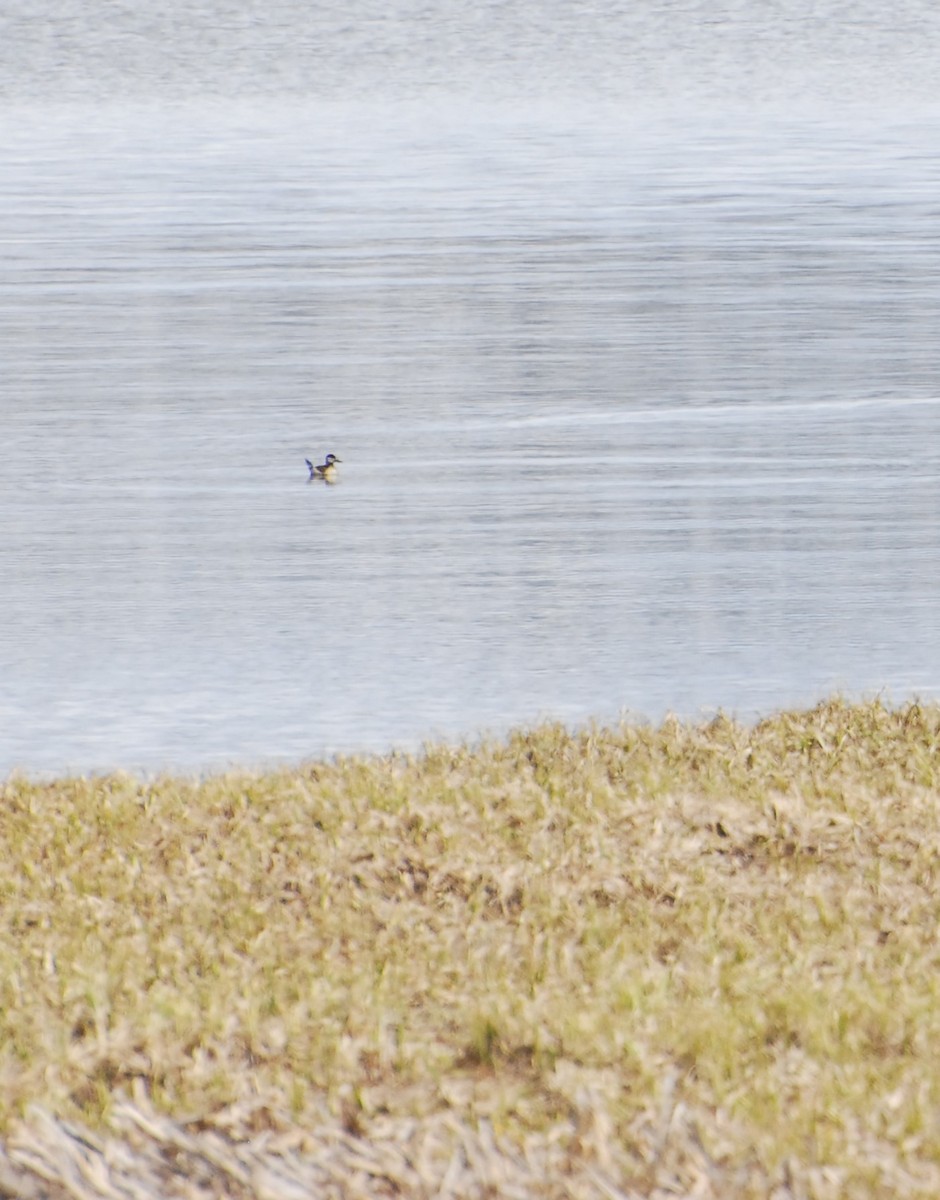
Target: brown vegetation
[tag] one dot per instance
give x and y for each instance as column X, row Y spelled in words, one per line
column 686, row 960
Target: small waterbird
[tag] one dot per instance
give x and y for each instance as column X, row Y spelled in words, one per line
column 326, row 470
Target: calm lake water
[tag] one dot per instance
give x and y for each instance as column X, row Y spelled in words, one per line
column 638, row 405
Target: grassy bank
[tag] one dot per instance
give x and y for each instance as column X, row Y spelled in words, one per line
column 692, row 956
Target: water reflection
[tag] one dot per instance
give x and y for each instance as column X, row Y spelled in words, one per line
column 625, row 424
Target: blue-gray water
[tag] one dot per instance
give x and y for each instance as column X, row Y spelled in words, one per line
column 624, row 326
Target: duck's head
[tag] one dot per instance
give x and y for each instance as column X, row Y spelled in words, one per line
column 331, row 458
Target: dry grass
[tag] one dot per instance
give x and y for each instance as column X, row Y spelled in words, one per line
column 686, row 960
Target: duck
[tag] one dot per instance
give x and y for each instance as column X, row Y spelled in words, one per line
column 326, row 470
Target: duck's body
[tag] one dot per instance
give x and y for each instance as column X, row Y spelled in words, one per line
column 326, row 470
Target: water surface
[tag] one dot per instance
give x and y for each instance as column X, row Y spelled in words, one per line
column 638, row 407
